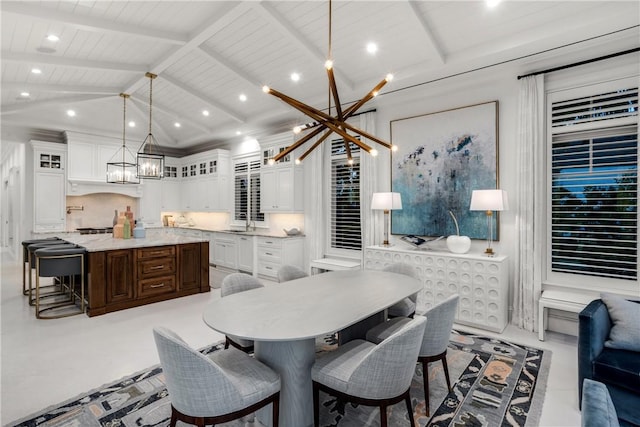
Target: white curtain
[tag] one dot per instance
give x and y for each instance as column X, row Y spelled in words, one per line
column 530, row 140
column 369, row 222
column 315, row 213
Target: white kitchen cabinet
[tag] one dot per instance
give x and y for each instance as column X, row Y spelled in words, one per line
column 151, row 203
column 88, row 160
column 205, row 182
column 211, row 237
column 225, row 250
column 273, row 253
column 245, row 253
column 281, row 183
column 482, row 282
column 49, row 180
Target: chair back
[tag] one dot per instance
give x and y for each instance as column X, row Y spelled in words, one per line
column 290, row 272
column 54, row 261
column 437, row 335
column 197, row 386
column 238, row 282
column 407, row 270
column 389, row 367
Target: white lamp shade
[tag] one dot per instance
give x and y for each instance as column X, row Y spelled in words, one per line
column 386, row 201
column 489, row 200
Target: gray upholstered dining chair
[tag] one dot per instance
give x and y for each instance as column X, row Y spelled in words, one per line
column 434, row 342
column 371, row 374
column 406, row 307
column 213, row 389
column 232, row 284
column 290, row 272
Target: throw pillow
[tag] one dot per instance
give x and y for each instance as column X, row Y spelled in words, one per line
column 625, row 315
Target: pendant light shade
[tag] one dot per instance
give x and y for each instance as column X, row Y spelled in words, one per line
column 121, row 168
column 150, row 159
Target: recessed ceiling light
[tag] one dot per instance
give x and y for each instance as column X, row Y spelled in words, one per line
column 238, row 132
column 242, row 97
column 492, row 3
column 24, row 94
column 176, row 124
column 132, row 124
column 372, row 47
column 36, row 71
column 71, row 113
column 205, row 113
column 53, row 38
column 295, row 77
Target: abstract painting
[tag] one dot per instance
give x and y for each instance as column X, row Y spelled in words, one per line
column 442, row 157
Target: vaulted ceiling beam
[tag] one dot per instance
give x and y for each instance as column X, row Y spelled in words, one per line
column 217, row 105
column 53, row 88
column 431, row 39
column 211, row 26
column 299, row 39
column 173, row 113
column 89, row 23
column 72, row 63
column 159, row 130
column 29, row 105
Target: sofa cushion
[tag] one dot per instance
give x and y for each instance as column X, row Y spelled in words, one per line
column 597, row 407
column 618, row 367
column 625, row 315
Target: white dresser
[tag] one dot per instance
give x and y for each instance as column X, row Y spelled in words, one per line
column 481, row 282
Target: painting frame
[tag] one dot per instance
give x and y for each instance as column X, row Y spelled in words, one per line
column 441, row 158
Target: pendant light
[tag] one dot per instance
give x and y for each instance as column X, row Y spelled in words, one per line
column 121, row 169
column 325, row 122
column 150, row 159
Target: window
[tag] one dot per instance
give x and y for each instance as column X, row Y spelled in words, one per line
column 247, row 191
column 345, row 231
column 594, row 186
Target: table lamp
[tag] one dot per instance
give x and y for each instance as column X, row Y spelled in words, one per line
column 386, row 202
column 489, row 201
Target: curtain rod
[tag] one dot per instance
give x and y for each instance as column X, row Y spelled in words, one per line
column 576, row 64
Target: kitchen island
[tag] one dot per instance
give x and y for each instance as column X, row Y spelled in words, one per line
column 125, row 273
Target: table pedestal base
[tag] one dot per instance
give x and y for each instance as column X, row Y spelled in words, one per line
column 293, row 361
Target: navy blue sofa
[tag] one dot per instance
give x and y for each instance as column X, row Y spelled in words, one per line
column 618, row 369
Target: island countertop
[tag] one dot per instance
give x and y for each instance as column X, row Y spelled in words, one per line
column 106, row 242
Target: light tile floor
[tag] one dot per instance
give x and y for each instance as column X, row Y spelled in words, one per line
column 44, row 362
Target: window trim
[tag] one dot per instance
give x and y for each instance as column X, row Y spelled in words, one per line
column 246, row 158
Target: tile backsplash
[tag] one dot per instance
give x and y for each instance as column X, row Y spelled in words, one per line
column 97, row 209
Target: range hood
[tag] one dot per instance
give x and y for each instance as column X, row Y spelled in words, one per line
column 77, row 187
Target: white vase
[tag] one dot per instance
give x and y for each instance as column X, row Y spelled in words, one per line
column 459, row 244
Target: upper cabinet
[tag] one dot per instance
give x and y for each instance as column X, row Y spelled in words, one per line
column 49, row 195
column 205, row 182
column 281, row 183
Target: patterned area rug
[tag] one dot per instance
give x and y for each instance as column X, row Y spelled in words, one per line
column 496, row 383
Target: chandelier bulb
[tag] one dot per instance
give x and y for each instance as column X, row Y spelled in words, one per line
column 373, row 152
column 297, row 129
column 374, row 93
column 389, row 77
column 394, row 148
column 271, row 162
column 266, row 89
column 329, row 64
column 298, row 161
column 350, row 161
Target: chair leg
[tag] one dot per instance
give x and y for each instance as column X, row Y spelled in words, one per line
column 383, row 415
column 410, row 410
column 276, row 411
column 316, row 405
column 226, row 343
column 174, row 417
column 425, row 380
column 446, row 370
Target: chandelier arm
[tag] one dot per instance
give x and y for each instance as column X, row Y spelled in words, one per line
column 315, row 145
column 369, row 136
column 346, row 136
column 299, row 143
column 355, row 107
column 334, row 92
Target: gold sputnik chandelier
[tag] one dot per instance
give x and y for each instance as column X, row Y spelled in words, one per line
column 325, row 122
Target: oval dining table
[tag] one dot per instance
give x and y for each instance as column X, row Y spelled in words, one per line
column 284, row 320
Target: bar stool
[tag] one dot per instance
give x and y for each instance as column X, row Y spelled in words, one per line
column 59, row 261
column 25, row 257
column 32, row 262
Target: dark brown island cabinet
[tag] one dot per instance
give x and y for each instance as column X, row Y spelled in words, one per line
column 124, row 278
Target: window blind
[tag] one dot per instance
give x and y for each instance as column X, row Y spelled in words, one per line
column 247, row 191
column 345, row 198
column 594, row 189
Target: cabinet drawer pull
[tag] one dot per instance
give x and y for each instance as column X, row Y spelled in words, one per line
column 159, row 285
column 268, row 253
column 157, row 267
column 268, row 268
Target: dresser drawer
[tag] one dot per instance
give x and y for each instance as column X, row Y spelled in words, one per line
column 156, row 286
column 156, row 252
column 156, row 266
column 269, row 254
column 270, row 242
